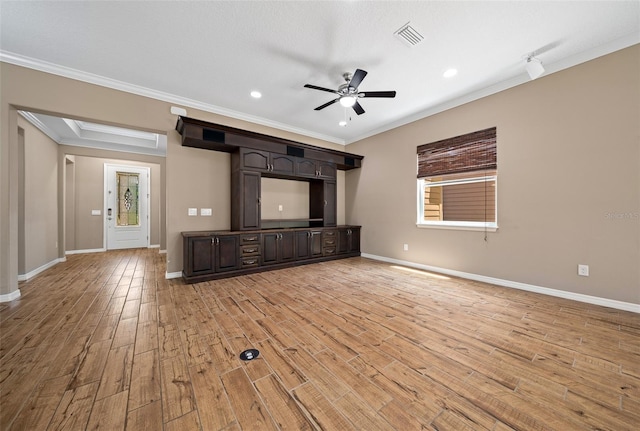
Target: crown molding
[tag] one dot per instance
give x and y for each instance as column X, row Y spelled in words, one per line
column 40, row 126
column 78, row 75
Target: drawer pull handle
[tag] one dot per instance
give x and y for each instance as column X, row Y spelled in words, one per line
column 253, row 238
column 331, row 242
column 250, row 262
column 251, row 250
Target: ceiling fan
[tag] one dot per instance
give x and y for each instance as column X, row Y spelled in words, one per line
column 348, row 93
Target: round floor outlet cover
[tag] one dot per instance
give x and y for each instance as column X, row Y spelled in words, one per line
column 249, row 354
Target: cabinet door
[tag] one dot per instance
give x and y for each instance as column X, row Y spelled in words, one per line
column 330, row 203
column 282, row 164
column 254, row 159
column 303, row 245
column 200, row 256
column 344, row 237
column 278, row 247
column 354, row 242
column 327, row 170
column 287, row 246
column 250, row 208
column 228, row 252
column 316, row 243
column 269, row 248
column 306, row 168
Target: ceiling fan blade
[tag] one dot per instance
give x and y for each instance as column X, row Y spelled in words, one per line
column 327, row 104
column 359, row 110
column 315, row 87
column 357, row 78
column 378, row 94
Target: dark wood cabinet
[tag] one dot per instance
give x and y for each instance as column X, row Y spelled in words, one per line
column 354, row 239
column 212, row 255
column 329, row 242
column 348, row 240
column 245, row 200
column 327, row 170
column 250, row 245
column 266, row 162
column 316, row 243
column 227, row 256
column 199, row 256
column 324, row 204
column 315, row 169
column 254, row 159
column 308, row 244
column 278, row 247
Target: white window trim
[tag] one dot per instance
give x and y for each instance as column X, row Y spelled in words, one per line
column 455, row 225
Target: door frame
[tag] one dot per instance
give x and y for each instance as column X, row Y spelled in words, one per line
column 105, row 204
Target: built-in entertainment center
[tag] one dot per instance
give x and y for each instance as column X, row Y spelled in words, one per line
column 283, row 205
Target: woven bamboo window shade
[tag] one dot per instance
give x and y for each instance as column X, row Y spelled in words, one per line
column 471, row 152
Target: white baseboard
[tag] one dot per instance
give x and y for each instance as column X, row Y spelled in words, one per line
column 154, row 246
column 31, row 274
column 605, row 302
column 170, row 275
column 8, row 297
column 162, row 251
column 91, row 250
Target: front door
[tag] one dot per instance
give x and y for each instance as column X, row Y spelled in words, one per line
column 126, row 206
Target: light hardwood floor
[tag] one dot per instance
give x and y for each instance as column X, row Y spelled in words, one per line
column 103, row 341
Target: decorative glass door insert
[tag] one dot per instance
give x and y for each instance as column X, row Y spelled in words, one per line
column 128, row 206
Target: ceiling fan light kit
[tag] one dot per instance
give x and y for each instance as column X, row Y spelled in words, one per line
column 534, row 66
column 348, row 93
column 347, row 101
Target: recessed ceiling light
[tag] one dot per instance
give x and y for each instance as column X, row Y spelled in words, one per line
column 342, row 123
column 256, row 94
column 450, row 73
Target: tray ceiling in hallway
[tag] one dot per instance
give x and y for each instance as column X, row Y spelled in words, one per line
column 212, row 55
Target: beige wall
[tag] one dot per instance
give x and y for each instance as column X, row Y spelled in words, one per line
column 39, row 243
column 292, row 195
column 568, row 183
column 192, row 177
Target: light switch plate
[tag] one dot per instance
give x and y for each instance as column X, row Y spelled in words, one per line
column 193, row 211
column 205, row 211
column 96, row 212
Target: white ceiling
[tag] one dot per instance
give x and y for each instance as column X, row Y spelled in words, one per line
column 210, row 55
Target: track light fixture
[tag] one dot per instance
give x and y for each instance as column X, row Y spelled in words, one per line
column 533, row 66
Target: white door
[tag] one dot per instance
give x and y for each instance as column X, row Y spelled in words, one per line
column 126, row 206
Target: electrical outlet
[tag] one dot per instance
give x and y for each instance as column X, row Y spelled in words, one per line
column 205, row 211
column 405, row 247
column 583, row 270
column 192, row 211
column 280, row 208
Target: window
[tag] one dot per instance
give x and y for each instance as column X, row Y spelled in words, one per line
column 127, row 199
column 457, row 182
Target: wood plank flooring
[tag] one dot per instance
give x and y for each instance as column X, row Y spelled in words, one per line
column 103, row 341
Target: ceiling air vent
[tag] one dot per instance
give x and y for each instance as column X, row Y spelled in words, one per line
column 408, row 35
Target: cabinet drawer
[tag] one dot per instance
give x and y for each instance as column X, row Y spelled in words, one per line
column 328, row 251
column 250, row 239
column 328, row 242
column 250, row 262
column 250, row 250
